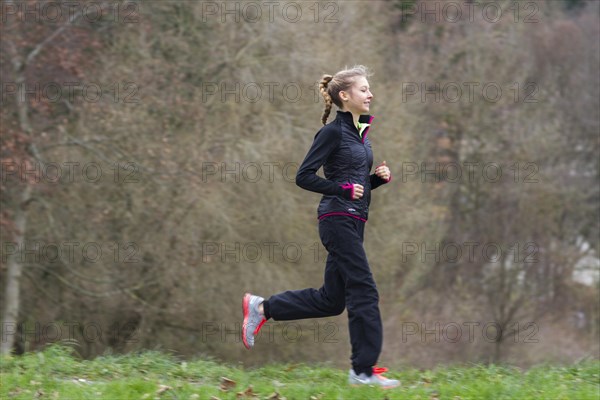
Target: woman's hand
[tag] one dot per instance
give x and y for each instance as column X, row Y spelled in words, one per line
column 383, row 172
column 358, row 191
column 353, row 191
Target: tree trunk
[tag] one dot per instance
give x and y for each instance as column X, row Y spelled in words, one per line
column 15, row 267
column 13, row 281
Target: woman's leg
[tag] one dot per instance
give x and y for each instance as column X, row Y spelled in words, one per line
column 310, row 303
column 327, row 301
column 345, row 244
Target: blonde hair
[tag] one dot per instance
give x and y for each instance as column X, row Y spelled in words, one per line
column 331, row 86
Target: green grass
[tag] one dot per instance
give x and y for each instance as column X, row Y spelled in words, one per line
column 56, row 374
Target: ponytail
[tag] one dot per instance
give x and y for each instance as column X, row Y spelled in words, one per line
column 326, row 96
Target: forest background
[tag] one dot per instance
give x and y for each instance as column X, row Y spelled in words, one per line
column 149, row 151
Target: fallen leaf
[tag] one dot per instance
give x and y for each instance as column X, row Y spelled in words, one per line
column 163, row 388
column 248, row 393
column 291, row 367
column 226, row 384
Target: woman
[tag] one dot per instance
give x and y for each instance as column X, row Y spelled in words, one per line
column 344, row 151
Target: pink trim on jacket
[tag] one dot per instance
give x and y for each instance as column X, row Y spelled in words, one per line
column 364, row 135
column 342, row 213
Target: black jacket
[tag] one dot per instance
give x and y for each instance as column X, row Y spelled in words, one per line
column 346, row 158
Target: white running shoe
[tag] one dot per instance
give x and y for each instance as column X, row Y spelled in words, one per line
column 377, row 379
column 253, row 319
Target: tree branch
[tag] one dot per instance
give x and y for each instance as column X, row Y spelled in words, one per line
column 57, row 32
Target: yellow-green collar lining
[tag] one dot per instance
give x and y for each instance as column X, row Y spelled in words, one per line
column 361, row 127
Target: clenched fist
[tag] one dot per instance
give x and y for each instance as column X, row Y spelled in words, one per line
column 383, row 171
column 358, row 191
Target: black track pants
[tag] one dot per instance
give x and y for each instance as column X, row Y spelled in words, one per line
column 348, row 283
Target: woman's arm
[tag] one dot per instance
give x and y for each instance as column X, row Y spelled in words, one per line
column 325, row 142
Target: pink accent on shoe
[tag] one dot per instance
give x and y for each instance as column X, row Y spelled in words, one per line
column 245, row 301
column 259, row 326
column 379, row 370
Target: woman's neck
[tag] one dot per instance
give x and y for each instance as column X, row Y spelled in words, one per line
column 355, row 117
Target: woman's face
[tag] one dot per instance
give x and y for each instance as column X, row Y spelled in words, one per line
column 358, row 98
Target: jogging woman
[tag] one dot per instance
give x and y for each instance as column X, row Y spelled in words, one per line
column 344, row 151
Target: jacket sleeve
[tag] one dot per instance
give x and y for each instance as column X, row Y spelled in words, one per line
column 325, row 142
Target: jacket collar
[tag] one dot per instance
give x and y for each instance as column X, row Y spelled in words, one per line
column 346, row 117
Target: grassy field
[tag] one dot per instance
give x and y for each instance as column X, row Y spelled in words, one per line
column 56, row 374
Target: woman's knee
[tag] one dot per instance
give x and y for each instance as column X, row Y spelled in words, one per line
column 338, row 308
column 365, row 300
